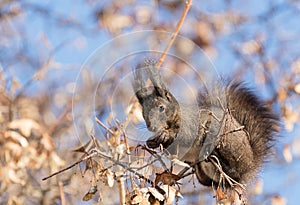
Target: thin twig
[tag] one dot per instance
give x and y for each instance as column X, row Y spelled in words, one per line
column 71, row 166
column 122, row 193
column 231, row 181
column 223, row 108
column 157, row 156
column 214, row 116
column 125, row 137
column 146, row 165
column 187, row 174
column 95, row 152
column 104, row 126
column 162, row 57
column 234, row 130
column 179, row 24
column 116, row 162
column 61, row 193
column 57, row 122
column 42, row 70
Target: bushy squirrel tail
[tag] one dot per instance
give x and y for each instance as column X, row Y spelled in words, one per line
column 260, row 128
column 260, row 122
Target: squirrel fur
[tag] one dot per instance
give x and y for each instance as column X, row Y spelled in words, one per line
column 240, row 134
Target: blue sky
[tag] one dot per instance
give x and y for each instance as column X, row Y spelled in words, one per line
column 279, row 178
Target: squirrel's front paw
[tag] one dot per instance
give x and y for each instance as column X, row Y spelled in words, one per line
column 164, row 138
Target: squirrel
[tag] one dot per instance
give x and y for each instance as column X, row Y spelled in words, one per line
column 237, row 135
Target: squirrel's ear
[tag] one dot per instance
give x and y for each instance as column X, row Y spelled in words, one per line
column 170, row 97
column 138, row 85
column 164, row 94
column 160, row 91
column 140, row 94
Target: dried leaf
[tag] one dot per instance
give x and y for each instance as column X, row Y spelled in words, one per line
column 144, row 196
column 278, row 200
column 92, row 143
column 140, row 199
column 120, row 149
column 251, row 47
column 290, row 118
column 56, row 162
column 17, row 137
column 258, row 187
column 90, row 194
column 110, row 178
column 115, row 22
column 115, row 140
column 47, row 143
column 89, row 164
column 13, row 176
column 180, row 163
column 137, row 199
column 15, row 148
column 143, row 14
column 297, row 88
column 24, row 126
column 85, row 148
column 146, row 171
column 287, row 154
column 15, row 86
column 171, row 193
column 220, row 195
column 282, row 95
column 157, row 195
column 166, row 178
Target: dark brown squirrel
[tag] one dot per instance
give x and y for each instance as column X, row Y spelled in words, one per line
column 238, row 133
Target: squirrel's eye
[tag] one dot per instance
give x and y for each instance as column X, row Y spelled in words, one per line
column 161, row 108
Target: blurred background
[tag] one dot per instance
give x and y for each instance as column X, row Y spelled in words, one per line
column 43, row 45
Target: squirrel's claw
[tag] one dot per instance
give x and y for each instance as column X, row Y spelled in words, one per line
column 160, row 138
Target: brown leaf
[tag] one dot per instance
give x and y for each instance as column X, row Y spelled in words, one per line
column 290, row 117
column 140, row 199
column 282, row 95
column 258, row 187
column 156, row 194
column 17, row 137
column 171, row 193
column 166, row 178
column 47, row 143
column 90, row 194
column 287, row 154
column 110, row 178
column 278, row 200
column 251, row 47
column 297, row 88
column 180, row 163
column 220, row 195
column 92, row 143
column 24, row 126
